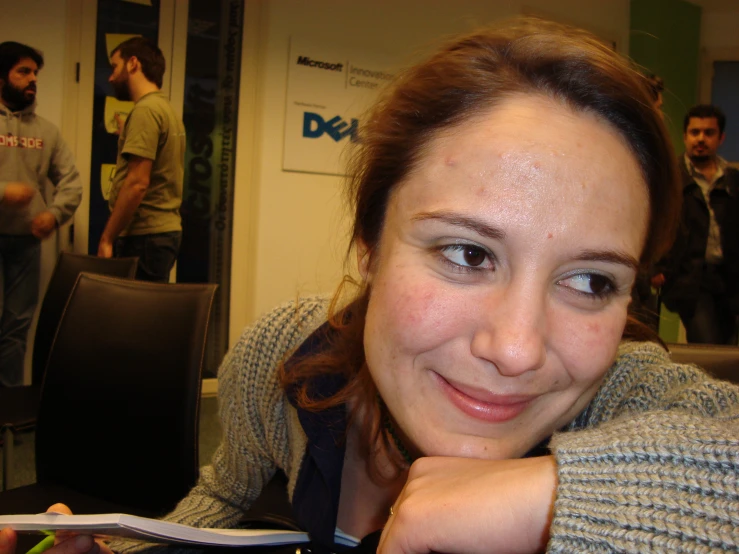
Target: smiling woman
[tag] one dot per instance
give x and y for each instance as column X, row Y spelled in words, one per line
column 485, row 289
column 484, row 385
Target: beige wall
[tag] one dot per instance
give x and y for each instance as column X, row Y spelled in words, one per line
column 41, row 24
column 295, row 238
column 719, row 41
column 719, row 27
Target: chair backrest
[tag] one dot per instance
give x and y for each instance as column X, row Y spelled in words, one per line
column 720, row 361
column 118, row 416
column 67, row 268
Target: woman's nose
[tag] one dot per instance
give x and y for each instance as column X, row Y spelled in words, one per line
column 510, row 330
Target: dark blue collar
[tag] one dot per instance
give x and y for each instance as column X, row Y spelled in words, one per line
column 316, row 498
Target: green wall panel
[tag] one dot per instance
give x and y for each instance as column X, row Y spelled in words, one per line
column 665, row 39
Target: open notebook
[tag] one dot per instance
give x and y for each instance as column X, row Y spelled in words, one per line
column 155, row 530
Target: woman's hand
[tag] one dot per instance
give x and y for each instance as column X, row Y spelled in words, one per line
column 473, row 506
column 7, row 541
column 64, row 543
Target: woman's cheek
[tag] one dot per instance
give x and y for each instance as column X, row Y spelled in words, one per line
column 598, row 337
column 413, row 309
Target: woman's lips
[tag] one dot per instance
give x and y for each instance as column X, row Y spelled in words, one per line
column 484, row 405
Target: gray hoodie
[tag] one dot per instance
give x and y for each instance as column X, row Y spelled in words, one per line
column 31, row 151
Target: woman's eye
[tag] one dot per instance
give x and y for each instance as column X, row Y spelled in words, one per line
column 590, row 283
column 467, row 255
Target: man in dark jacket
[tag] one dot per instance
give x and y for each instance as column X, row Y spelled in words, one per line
column 700, row 276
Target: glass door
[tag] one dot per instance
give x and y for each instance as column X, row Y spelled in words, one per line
column 201, row 41
column 210, row 112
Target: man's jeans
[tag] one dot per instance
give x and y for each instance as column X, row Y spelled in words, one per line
column 713, row 320
column 157, row 253
column 20, row 262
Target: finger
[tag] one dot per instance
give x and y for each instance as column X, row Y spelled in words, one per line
column 59, row 508
column 102, row 547
column 8, row 540
column 80, row 544
column 392, row 540
column 382, row 545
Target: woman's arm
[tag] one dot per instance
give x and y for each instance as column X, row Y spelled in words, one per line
column 652, row 465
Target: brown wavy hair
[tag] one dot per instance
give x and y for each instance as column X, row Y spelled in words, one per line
column 469, row 75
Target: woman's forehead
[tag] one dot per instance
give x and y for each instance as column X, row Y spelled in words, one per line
column 527, row 132
column 534, row 152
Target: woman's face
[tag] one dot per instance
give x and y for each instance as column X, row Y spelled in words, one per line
column 500, row 285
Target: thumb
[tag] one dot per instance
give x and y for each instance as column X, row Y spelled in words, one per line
column 8, row 540
column 60, row 509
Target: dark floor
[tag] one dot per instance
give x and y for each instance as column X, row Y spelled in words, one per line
column 24, row 472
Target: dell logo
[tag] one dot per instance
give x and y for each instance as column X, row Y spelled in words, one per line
column 315, row 126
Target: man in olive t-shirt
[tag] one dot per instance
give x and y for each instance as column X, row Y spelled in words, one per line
column 146, row 193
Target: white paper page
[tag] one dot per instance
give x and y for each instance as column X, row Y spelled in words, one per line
column 141, row 528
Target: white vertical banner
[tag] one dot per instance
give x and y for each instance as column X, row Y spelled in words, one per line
column 328, row 91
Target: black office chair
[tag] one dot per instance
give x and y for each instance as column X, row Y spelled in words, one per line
column 19, row 405
column 118, row 419
column 718, row 360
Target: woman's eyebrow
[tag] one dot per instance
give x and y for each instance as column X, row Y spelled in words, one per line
column 610, row 256
column 485, row 230
column 458, row 220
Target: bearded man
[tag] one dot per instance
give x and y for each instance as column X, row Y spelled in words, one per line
column 146, row 192
column 32, row 153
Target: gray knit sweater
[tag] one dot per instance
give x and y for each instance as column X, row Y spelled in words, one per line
column 652, row 464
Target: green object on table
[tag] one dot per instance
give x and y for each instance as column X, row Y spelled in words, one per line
column 43, row 546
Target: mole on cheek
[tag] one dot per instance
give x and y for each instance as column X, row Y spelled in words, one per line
column 549, row 235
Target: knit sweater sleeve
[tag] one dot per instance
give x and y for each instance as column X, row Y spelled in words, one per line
column 652, row 465
column 258, row 433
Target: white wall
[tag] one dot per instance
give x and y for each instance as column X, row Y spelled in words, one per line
column 719, row 22
column 41, row 24
column 718, row 30
column 719, row 41
column 297, row 239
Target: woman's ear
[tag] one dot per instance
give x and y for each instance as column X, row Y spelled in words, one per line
column 363, row 259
